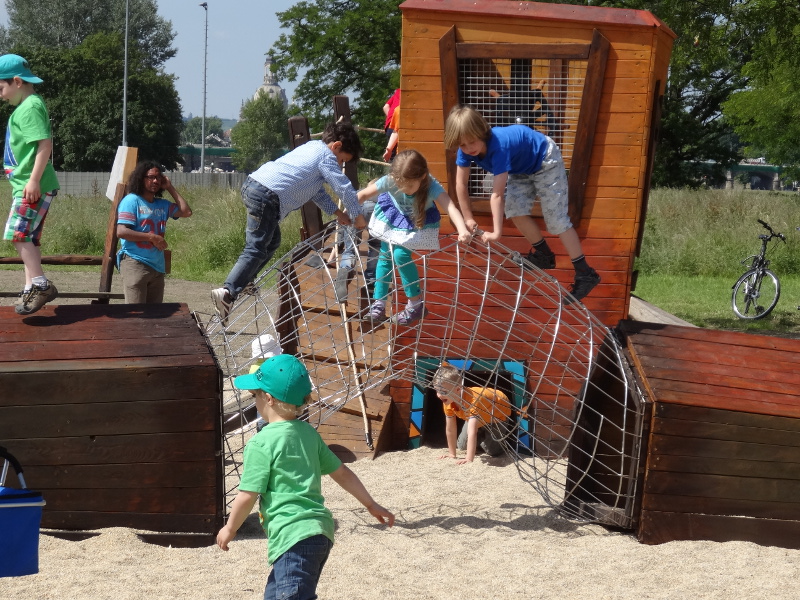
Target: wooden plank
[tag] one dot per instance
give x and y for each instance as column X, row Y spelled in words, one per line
column 58, row 315
column 128, row 385
column 122, row 476
column 80, row 260
column 166, row 500
column 109, row 418
column 79, row 349
column 160, row 447
column 661, row 527
column 716, row 336
column 587, row 124
column 575, row 16
column 715, row 416
column 722, row 506
column 704, row 465
column 88, row 520
column 36, row 367
column 730, row 449
column 781, row 406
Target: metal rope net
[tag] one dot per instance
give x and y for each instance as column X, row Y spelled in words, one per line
column 572, row 419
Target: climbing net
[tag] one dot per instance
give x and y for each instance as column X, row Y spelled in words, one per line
column 569, row 413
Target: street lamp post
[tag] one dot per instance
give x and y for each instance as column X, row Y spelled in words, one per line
column 203, row 122
column 125, row 79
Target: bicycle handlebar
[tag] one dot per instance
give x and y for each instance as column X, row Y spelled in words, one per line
column 771, row 231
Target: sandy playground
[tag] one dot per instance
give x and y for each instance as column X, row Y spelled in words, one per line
column 471, row 532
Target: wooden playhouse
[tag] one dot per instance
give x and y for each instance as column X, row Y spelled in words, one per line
column 592, row 78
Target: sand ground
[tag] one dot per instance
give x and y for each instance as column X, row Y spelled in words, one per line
column 471, row 532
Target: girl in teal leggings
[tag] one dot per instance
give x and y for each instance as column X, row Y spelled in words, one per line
column 406, row 218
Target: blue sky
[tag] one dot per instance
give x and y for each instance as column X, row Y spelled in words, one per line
column 239, row 34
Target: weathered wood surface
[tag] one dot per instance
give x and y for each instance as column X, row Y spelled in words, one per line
column 723, row 446
column 113, row 411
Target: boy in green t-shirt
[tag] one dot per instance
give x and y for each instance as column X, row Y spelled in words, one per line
column 33, row 180
column 284, row 464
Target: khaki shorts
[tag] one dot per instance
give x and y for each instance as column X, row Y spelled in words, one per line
column 550, row 184
column 141, row 284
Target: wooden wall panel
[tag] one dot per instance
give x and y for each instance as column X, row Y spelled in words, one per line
column 129, row 431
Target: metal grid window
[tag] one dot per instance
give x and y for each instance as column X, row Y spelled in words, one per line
column 540, row 93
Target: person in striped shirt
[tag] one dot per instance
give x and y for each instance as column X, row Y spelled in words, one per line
column 281, row 186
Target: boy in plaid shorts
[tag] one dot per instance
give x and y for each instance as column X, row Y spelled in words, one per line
column 33, row 180
column 525, row 164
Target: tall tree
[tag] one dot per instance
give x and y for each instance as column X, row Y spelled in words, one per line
column 83, row 90
column 66, row 23
column 766, row 114
column 261, row 134
column 345, row 47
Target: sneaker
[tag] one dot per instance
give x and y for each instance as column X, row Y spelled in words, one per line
column 543, row 260
column 410, row 314
column 21, row 297
column 584, row 283
column 223, row 301
column 376, row 313
column 36, row 298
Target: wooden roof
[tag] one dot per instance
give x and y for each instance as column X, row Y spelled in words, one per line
column 598, row 15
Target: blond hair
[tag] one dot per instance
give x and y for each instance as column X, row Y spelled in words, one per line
column 286, row 410
column 465, row 123
column 410, row 165
column 446, row 373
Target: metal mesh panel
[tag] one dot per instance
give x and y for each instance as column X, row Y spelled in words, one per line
column 572, row 421
column 540, row 93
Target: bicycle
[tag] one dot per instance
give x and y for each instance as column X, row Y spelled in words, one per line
column 758, row 290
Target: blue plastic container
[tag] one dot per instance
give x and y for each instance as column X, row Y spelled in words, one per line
column 20, row 517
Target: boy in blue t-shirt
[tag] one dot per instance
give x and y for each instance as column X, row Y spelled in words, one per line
column 283, row 465
column 141, row 225
column 525, row 164
column 26, row 163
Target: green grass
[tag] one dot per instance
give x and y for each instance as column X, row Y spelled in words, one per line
column 204, row 247
column 691, row 249
column 706, row 302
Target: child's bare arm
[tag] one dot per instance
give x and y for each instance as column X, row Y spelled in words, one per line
column 183, row 206
column 472, row 440
column 240, row 508
column 350, row 482
column 126, row 233
column 32, row 190
column 498, row 204
column 455, row 215
column 462, row 194
column 368, row 192
column 451, row 433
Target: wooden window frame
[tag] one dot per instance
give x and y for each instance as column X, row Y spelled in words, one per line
column 596, row 55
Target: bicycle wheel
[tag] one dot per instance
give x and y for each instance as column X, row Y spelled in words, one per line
column 755, row 294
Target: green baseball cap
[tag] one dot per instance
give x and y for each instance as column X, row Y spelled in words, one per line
column 283, row 377
column 13, row 65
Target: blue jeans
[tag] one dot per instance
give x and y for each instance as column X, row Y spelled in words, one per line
column 351, row 238
column 296, row 573
column 262, row 236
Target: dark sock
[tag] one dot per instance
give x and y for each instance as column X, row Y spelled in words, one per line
column 580, row 265
column 541, row 247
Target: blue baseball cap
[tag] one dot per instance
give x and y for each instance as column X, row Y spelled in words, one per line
column 13, row 65
column 283, row 377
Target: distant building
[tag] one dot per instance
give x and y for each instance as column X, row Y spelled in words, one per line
column 270, row 86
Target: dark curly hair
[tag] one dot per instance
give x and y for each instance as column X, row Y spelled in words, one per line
column 136, row 178
column 344, row 132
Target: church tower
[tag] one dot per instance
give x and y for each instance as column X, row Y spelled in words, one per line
column 270, row 86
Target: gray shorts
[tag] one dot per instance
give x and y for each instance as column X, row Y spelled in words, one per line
column 550, row 184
